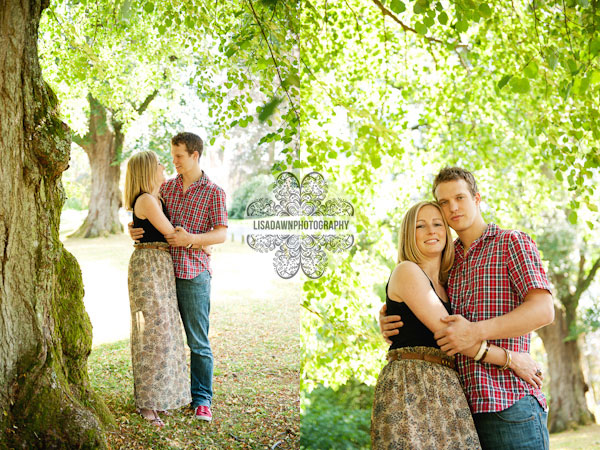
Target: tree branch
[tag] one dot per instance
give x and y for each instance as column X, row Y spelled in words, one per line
column 82, row 141
column 140, row 110
column 387, row 12
column 355, row 19
column 567, row 26
column 585, row 284
column 274, row 60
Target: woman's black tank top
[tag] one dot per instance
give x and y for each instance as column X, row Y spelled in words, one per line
column 151, row 234
column 414, row 332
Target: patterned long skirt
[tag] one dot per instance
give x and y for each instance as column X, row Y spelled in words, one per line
column 158, row 356
column 420, row 405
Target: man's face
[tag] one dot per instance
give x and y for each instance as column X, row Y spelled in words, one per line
column 182, row 160
column 459, row 206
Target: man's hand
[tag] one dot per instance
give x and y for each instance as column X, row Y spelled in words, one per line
column 180, row 238
column 460, row 335
column 388, row 325
column 135, row 233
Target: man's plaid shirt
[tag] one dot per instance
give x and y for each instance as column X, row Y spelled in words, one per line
column 199, row 210
column 491, row 280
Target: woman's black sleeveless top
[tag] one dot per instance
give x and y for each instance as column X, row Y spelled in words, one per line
column 151, row 234
column 414, row 332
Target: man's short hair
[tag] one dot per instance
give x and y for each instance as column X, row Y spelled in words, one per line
column 452, row 174
column 193, row 142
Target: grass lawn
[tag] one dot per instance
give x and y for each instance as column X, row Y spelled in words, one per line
column 583, row 438
column 255, row 317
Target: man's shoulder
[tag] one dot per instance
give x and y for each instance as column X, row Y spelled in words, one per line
column 515, row 237
column 212, row 187
column 510, row 241
column 508, row 235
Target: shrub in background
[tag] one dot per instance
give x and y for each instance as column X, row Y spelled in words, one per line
column 337, row 419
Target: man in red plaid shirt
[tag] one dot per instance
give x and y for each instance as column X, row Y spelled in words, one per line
column 197, row 210
column 499, row 292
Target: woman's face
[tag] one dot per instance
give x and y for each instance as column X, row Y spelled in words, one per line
column 430, row 231
column 160, row 174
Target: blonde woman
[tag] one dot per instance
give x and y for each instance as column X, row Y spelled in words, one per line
column 419, row 402
column 160, row 373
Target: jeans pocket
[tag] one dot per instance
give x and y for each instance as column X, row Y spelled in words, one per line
column 520, row 412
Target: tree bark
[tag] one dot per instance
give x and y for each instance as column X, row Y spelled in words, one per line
column 45, row 334
column 103, row 144
column 568, row 407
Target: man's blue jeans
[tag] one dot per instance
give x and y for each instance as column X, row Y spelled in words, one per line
column 522, row 426
column 193, row 297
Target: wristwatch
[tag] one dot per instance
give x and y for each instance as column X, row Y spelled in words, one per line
column 189, row 245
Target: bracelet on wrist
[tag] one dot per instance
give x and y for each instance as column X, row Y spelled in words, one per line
column 508, row 359
column 487, row 349
column 482, row 349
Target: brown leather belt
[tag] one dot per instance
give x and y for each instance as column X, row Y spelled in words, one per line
column 394, row 355
column 152, row 246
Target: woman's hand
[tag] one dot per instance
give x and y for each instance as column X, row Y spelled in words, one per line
column 525, row 367
column 208, row 249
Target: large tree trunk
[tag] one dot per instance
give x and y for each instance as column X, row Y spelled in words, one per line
column 45, row 334
column 103, row 145
column 568, row 407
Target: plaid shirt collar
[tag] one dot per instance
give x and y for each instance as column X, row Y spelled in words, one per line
column 196, row 184
column 459, row 248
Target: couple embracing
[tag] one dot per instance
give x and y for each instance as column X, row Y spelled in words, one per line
column 169, row 278
column 467, row 309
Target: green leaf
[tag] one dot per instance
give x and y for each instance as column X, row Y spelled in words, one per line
column 520, row 85
column 420, row 7
column 269, row 109
column 421, row 28
column 595, row 46
column 485, row 10
column 397, row 6
column 552, row 60
column 558, row 175
column 590, row 225
column 149, row 7
column 505, row 79
column 462, row 26
column 573, row 66
column 531, row 69
column 443, row 18
column 292, row 80
column 125, row 11
column 428, row 21
column 573, row 217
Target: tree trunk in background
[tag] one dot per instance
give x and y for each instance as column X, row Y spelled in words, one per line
column 103, row 145
column 45, row 334
column 568, row 406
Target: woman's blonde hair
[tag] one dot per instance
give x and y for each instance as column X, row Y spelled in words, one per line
column 140, row 176
column 407, row 242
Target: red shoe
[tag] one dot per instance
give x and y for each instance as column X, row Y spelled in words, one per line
column 203, row 413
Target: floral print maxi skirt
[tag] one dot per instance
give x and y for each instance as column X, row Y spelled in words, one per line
column 158, row 356
column 420, row 405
